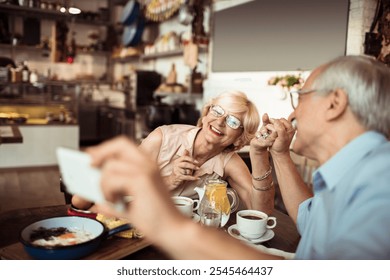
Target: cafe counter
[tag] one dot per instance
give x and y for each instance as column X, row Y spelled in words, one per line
column 36, row 144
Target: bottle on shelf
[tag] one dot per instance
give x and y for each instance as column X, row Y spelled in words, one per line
column 16, row 75
column 172, row 76
column 9, row 73
column 62, row 114
column 34, row 76
column 71, row 50
column 25, row 73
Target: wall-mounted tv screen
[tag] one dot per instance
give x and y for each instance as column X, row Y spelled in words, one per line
column 278, row 35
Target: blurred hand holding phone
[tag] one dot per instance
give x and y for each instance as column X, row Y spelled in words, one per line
column 81, row 178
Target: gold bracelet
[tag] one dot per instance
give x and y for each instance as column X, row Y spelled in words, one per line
column 261, row 178
column 264, row 189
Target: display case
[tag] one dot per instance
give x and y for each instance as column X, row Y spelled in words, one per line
column 39, row 103
column 46, row 116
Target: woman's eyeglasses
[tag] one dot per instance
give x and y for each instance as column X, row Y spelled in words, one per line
column 231, row 121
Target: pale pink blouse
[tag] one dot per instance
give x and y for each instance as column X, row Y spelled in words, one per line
column 177, row 138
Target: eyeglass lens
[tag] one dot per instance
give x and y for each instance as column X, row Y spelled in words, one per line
column 230, row 120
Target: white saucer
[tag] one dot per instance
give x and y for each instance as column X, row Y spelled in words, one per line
column 268, row 235
column 195, row 218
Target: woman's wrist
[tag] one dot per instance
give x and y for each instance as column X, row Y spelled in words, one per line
column 265, row 183
column 264, row 188
column 264, row 175
column 259, row 152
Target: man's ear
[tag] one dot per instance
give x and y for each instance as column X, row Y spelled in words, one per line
column 337, row 104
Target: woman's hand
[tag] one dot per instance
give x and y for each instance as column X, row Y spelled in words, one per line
column 183, row 168
column 264, row 138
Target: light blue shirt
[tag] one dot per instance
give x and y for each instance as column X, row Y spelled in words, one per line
column 349, row 215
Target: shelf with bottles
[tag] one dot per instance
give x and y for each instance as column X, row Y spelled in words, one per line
column 46, row 52
column 23, row 11
column 55, row 14
column 93, row 52
column 56, row 50
column 10, row 47
column 172, row 91
column 184, row 96
column 171, row 53
column 141, row 57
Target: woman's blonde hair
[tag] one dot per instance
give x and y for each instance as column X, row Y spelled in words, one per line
column 240, row 104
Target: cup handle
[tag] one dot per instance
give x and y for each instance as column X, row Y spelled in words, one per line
column 273, row 219
column 235, row 199
column 195, row 207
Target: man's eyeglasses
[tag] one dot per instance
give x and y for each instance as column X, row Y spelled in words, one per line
column 294, row 96
column 231, row 121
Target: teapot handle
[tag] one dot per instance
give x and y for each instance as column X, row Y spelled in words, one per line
column 235, row 199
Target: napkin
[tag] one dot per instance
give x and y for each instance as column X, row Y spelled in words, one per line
column 112, row 222
column 273, row 251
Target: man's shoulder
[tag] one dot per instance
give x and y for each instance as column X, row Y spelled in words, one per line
column 379, row 157
column 373, row 170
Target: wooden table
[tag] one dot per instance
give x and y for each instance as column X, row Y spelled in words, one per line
column 12, row 222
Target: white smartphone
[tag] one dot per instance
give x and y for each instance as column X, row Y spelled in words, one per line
column 80, row 177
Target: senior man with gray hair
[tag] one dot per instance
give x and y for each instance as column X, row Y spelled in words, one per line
column 343, row 121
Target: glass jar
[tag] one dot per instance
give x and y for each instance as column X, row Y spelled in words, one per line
column 215, row 207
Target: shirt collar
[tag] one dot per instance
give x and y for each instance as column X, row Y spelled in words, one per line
column 332, row 171
column 188, row 144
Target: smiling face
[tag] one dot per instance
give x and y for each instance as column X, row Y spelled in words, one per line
column 238, row 111
column 215, row 129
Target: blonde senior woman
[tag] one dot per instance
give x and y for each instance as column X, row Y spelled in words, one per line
column 187, row 154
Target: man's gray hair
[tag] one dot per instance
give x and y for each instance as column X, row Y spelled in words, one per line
column 367, row 84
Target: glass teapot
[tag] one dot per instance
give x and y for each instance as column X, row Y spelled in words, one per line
column 215, row 208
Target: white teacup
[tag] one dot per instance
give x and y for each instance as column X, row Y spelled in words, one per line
column 186, row 205
column 252, row 224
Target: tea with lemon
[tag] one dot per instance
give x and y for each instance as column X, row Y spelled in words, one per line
column 216, row 194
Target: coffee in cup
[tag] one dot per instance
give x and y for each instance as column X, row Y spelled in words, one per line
column 253, row 224
column 186, row 205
